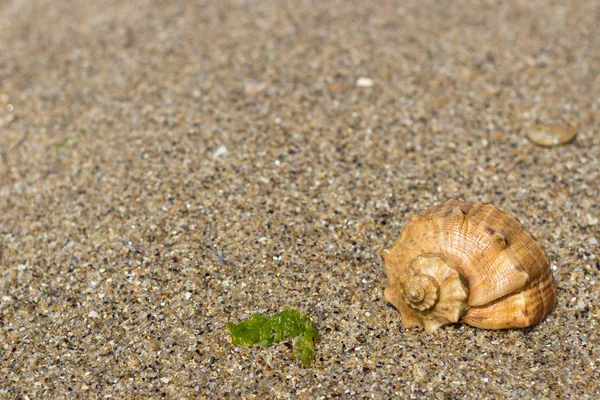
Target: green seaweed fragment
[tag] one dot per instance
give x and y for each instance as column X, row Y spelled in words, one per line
column 284, row 325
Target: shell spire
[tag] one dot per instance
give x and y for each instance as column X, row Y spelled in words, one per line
column 468, row 262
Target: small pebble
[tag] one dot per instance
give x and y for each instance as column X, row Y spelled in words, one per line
column 93, row 314
column 593, row 242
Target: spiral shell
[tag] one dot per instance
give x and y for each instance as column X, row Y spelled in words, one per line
column 468, row 262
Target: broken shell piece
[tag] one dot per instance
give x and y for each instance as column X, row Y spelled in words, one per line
column 254, row 87
column 468, row 262
column 552, row 135
column 364, row 82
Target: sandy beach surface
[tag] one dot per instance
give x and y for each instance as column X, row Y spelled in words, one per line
column 167, row 167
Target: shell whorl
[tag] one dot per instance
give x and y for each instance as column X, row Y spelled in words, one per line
column 469, row 262
column 421, row 292
column 430, row 291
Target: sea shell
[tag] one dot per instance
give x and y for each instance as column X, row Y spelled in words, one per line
column 468, row 262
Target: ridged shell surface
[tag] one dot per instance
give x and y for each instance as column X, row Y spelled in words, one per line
column 468, row 262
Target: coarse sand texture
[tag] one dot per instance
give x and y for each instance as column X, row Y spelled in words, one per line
column 169, row 167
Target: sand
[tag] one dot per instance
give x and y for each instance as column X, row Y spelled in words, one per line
column 167, row 167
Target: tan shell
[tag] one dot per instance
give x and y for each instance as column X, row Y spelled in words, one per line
column 468, row 262
column 552, row 135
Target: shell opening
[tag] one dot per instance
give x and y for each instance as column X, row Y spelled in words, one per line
column 421, row 292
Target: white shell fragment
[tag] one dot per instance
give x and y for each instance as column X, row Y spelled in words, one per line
column 364, row 82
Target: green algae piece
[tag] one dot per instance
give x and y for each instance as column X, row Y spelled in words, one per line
column 304, row 349
column 247, row 332
column 284, row 325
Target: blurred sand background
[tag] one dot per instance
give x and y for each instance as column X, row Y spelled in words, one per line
column 168, row 166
